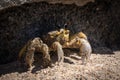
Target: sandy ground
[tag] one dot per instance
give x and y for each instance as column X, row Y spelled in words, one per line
column 101, row 67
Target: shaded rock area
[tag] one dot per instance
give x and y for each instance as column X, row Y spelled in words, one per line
column 98, row 20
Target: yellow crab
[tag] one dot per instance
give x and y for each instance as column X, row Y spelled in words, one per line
column 55, row 41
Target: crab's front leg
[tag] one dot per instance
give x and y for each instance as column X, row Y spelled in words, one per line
column 56, row 46
column 29, row 59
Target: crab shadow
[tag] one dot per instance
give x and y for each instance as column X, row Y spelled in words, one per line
column 41, row 63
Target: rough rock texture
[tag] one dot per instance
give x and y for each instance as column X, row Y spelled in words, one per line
column 9, row 3
column 99, row 20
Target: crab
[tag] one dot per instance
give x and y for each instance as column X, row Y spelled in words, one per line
column 56, row 41
column 78, row 40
